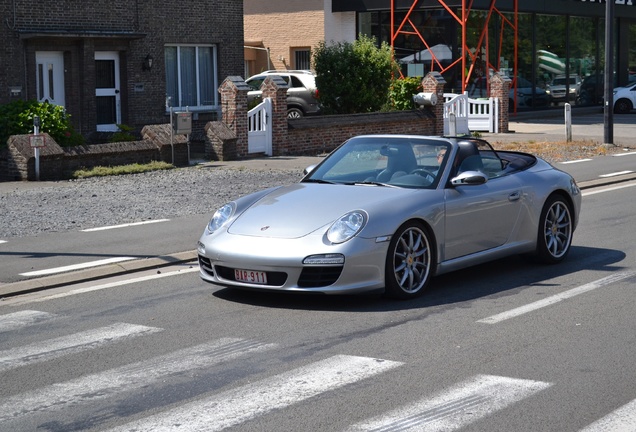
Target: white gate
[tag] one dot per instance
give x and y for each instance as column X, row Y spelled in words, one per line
column 482, row 114
column 456, row 115
column 259, row 128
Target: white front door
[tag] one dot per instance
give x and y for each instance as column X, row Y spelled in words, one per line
column 49, row 69
column 107, row 91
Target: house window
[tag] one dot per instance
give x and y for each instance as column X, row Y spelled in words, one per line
column 191, row 77
column 302, row 58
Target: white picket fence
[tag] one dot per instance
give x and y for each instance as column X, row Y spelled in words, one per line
column 259, row 128
column 470, row 114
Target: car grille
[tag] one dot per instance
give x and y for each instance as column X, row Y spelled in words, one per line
column 273, row 278
column 206, row 265
column 312, row 277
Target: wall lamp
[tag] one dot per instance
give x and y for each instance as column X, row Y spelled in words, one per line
column 147, row 64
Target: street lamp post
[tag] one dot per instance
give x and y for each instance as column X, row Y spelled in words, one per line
column 608, row 109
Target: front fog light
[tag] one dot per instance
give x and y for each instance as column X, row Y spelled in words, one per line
column 324, row 259
column 200, row 248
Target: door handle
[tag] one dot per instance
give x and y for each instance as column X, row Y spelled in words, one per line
column 514, row 196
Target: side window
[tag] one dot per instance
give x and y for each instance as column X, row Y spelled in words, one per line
column 295, row 82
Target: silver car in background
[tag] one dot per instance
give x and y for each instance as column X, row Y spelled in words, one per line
column 387, row 213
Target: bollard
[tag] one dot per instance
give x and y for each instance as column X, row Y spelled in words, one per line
column 568, row 122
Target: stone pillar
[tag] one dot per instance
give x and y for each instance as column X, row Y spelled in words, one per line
column 276, row 88
column 434, row 82
column 234, row 110
column 500, row 89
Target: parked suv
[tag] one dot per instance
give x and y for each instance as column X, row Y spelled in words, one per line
column 301, row 95
column 624, row 99
column 560, row 84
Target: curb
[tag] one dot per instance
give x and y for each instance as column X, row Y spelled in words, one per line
column 126, row 267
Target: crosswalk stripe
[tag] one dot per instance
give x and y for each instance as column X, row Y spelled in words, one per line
column 455, row 408
column 23, row 318
column 236, row 406
column 77, row 342
column 126, row 378
column 621, row 420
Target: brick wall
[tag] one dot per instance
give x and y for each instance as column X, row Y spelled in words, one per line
column 17, row 161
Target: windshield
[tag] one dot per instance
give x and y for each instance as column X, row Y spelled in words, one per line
column 562, row 81
column 410, row 162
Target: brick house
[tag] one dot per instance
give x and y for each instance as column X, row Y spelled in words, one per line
column 280, row 34
column 119, row 62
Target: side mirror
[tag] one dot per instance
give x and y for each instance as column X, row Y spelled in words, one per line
column 469, row 178
column 309, row 169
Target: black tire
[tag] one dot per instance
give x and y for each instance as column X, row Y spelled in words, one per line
column 622, row 106
column 555, row 232
column 409, row 261
column 294, row 113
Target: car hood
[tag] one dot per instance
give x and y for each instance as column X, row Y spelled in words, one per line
column 300, row 209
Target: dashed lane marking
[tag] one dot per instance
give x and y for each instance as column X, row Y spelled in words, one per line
column 513, row 313
column 80, row 266
column 125, row 225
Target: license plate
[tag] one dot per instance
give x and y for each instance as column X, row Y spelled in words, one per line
column 250, row 276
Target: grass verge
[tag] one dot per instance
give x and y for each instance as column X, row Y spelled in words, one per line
column 101, row 171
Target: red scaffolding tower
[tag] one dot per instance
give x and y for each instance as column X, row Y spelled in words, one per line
column 468, row 55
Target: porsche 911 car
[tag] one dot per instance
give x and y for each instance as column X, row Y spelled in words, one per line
column 387, row 213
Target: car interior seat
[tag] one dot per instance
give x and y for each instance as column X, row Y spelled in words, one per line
column 401, row 161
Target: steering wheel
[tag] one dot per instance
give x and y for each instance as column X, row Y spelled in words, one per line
column 424, row 173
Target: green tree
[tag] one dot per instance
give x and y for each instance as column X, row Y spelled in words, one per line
column 353, row 77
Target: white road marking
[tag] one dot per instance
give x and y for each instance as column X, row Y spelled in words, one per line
column 135, row 376
column 54, row 348
column 624, row 154
column 457, row 407
column 513, row 313
column 621, row 420
column 22, row 319
column 614, row 174
column 609, row 189
column 31, row 299
column 125, row 225
column 236, row 406
column 3, row 241
column 575, row 161
column 77, row 266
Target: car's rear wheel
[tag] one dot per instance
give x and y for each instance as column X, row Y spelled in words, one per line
column 408, row 261
column 556, row 228
column 294, row 113
column 623, row 106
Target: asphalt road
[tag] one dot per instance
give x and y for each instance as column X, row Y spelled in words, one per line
column 506, row 346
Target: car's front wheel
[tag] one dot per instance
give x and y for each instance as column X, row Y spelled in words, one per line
column 556, row 228
column 622, row 106
column 408, row 261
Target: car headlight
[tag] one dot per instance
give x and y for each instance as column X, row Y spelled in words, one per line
column 346, row 226
column 220, row 217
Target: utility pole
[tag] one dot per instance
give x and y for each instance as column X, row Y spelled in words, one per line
column 608, row 111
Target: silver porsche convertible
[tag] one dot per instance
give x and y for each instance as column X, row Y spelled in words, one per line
column 389, row 212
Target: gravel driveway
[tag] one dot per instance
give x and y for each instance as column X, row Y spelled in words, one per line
column 102, row 201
